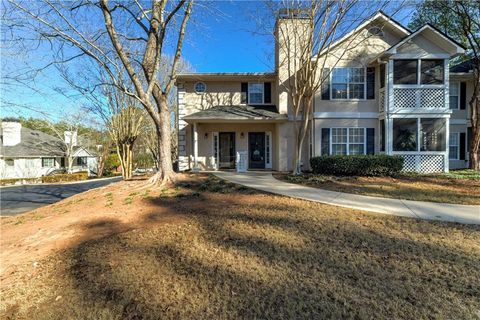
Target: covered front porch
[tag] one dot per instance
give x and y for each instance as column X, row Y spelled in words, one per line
column 240, row 138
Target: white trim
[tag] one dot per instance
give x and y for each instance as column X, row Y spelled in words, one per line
column 415, row 56
column 409, row 113
column 216, row 144
column 268, row 144
column 346, row 115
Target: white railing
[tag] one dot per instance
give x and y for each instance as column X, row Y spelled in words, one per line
column 419, row 97
column 381, row 100
column 423, row 162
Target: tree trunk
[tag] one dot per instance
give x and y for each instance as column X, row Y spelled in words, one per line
column 165, row 172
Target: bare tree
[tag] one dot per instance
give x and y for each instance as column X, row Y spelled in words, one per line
column 305, row 45
column 131, row 42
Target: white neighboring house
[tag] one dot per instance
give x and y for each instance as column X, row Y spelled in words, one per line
column 27, row 153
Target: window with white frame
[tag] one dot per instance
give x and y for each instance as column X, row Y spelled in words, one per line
column 9, row 162
column 454, row 95
column 348, row 83
column 454, row 146
column 348, row 141
column 48, row 162
column 255, row 93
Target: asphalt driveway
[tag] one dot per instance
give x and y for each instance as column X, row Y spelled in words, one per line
column 19, row 199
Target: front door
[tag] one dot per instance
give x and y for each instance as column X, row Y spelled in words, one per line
column 256, row 150
column 227, row 150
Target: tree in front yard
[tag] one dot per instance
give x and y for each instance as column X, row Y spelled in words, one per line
column 306, row 46
column 126, row 38
column 461, row 21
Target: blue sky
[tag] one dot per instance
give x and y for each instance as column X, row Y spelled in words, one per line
column 223, row 36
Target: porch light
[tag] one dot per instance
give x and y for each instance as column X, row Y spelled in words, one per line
column 206, row 135
column 242, row 135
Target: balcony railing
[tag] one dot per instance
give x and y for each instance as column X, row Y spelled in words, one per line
column 419, row 97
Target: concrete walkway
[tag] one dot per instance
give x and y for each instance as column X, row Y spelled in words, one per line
column 415, row 209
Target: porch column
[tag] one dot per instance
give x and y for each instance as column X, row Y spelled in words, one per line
column 195, row 147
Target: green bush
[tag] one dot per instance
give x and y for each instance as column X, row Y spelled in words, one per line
column 77, row 176
column 357, row 165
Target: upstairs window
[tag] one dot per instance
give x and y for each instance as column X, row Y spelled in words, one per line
column 255, row 93
column 432, row 72
column 348, row 83
column 454, row 95
column 405, row 72
column 408, row 72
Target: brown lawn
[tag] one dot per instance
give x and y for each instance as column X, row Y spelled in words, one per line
column 210, row 249
column 452, row 188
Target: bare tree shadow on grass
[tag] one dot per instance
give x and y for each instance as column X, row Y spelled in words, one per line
column 251, row 255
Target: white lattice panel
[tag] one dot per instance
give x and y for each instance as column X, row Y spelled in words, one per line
column 381, row 101
column 423, row 163
column 431, row 98
column 405, row 98
column 410, row 163
column 431, row 163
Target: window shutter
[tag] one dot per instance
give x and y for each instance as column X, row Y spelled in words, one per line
column 267, row 91
column 463, row 150
column 463, row 95
column 370, row 140
column 325, row 141
column 326, row 84
column 244, row 97
column 371, row 83
column 469, row 139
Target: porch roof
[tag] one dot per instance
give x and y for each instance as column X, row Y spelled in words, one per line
column 238, row 113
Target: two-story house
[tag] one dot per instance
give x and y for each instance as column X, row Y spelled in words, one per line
column 391, row 92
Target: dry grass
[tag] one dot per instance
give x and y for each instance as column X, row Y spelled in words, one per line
column 236, row 253
column 456, row 187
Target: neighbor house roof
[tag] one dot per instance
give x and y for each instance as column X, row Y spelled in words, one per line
column 463, row 67
column 237, row 113
column 36, row 143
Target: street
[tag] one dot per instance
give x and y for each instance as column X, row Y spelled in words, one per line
column 19, row 199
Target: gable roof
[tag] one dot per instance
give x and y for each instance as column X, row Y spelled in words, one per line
column 237, row 113
column 443, row 41
column 34, row 143
column 379, row 15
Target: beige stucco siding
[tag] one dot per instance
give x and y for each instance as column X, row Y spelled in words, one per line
column 420, row 45
column 218, row 93
column 205, row 139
